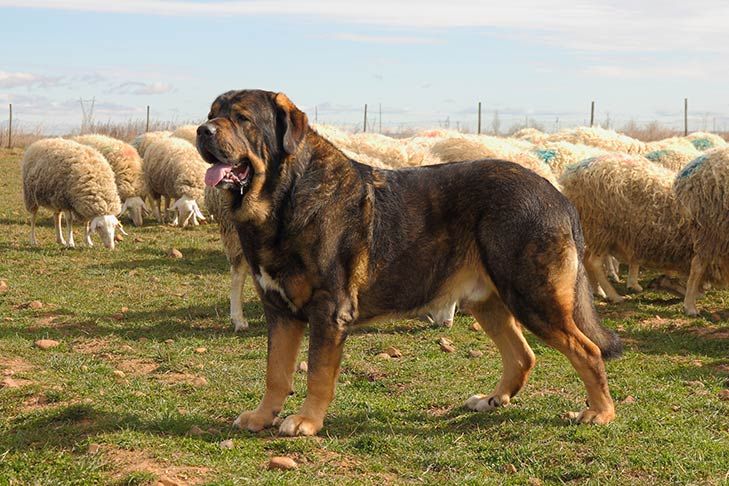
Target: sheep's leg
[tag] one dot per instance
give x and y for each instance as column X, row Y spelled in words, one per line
column 33, row 215
column 633, row 270
column 165, row 207
column 237, row 280
column 156, row 209
column 612, row 266
column 58, row 225
column 89, row 243
column 594, row 284
column 698, row 268
column 69, row 228
column 594, row 265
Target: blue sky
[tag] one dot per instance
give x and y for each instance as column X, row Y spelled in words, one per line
column 424, row 61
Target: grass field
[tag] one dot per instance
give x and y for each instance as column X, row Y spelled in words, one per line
column 115, row 402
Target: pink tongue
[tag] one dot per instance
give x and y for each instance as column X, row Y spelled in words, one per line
column 216, row 173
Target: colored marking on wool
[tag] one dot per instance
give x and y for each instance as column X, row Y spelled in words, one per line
column 656, row 155
column 692, row 167
column 702, row 143
column 547, row 155
column 583, row 164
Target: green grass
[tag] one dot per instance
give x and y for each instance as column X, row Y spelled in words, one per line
column 392, row 421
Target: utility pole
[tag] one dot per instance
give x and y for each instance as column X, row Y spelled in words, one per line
column 10, row 126
column 592, row 114
column 380, row 117
column 147, row 129
column 364, row 125
column 479, row 118
column 685, row 117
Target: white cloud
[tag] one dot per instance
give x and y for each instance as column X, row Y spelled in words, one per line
column 138, row 88
column 382, row 39
column 21, row 79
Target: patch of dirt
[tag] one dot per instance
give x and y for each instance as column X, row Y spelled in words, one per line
column 124, row 462
column 658, row 322
column 439, row 411
column 135, row 366
column 10, row 366
column 92, row 346
column 179, row 378
column 710, row 332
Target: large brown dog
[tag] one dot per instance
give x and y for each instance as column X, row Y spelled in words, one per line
column 334, row 243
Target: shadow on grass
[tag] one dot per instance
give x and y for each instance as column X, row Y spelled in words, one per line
column 195, row 261
column 66, row 427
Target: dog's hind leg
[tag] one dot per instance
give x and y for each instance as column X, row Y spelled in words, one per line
column 517, row 357
column 284, row 340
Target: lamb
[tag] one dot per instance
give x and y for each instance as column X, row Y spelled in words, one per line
column 702, row 189
column 173, row 168
column 127, row 166
column 143, row 141
column 628, row 209
column 186, row 132
column 74, row 179
column 233, row 251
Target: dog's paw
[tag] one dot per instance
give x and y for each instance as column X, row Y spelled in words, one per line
column 253, row 421
column 299, row 425
column 484, row 403
column 589, row 416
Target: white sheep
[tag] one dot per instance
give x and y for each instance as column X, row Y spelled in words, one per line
column 233, row 251
column 186, row 132
column 628, row 209
column 173, row 168
column 127, row 166
column 702, row 189
column 142, row 141
column 560, row 155
column 705, row 140
column 608, row 140
column 76, row 180
column 673, row 158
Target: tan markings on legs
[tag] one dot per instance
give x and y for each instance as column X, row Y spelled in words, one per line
column 58, row 226
column 633, row 272
column 587, row 360
column 516, row 356
column 33, row 216
column 693, row 286
column 284, row 340
column 594, row 266
column 325, row 356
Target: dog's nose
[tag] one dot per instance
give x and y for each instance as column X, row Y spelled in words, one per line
column 206, row 130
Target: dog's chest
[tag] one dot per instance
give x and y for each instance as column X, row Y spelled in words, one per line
column 295, row 290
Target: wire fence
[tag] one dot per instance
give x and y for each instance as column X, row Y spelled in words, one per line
column 401, row 122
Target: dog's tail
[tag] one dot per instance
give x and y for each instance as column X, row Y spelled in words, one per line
column 587, row 321
column 584, row 313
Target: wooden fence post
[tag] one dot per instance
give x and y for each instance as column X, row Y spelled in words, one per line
column 147, row 129
column 10, row 126
column 592, row 114
column 479, row 118
column 685, row 117
column 364, row 126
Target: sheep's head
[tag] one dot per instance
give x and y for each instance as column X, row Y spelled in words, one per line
column 136, row 208
column 188, row 211
column 106, row 226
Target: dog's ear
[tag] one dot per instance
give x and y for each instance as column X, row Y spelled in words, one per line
column 295, row 122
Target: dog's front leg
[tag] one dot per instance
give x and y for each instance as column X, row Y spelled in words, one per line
column 284, row 340
column 326, row 342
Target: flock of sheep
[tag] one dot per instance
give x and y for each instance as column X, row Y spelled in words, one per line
column 661, row 205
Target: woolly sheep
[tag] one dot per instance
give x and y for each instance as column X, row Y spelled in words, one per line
column 173, row 168
column 628, row 209
column 702, row 189
column 560, row 155
column 186, row 132
column 233, row 251
column 704, row 140
column 74, row 179
column 143, row 141
column 600, row 137
column 673, row 158
column 680, row 143
column 474, row 148
column 530, row 134
column 127, row 166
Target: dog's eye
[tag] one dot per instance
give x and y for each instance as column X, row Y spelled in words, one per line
column 241, row 118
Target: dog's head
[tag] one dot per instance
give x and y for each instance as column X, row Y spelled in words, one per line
column 248, row 135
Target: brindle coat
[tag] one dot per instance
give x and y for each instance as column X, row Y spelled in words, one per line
column 334, row 243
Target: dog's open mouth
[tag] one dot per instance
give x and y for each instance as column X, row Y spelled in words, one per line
column 228, row 176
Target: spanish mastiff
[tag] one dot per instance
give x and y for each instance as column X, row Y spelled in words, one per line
column 334, row 243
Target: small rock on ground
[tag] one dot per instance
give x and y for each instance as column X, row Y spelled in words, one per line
column 476, row 327
column 475, row 353
column 383, row 356
column 446, row 345
column 46, row 343
column 35, row 304
column 226, row 444
column 280, row 462
column 201, row 350
column 174, row 253
column 94, row 448
column 200, row 381
column 724, row 395
column 196, row 431
column 393, row 352
column 303, row 367
column 3, row 286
